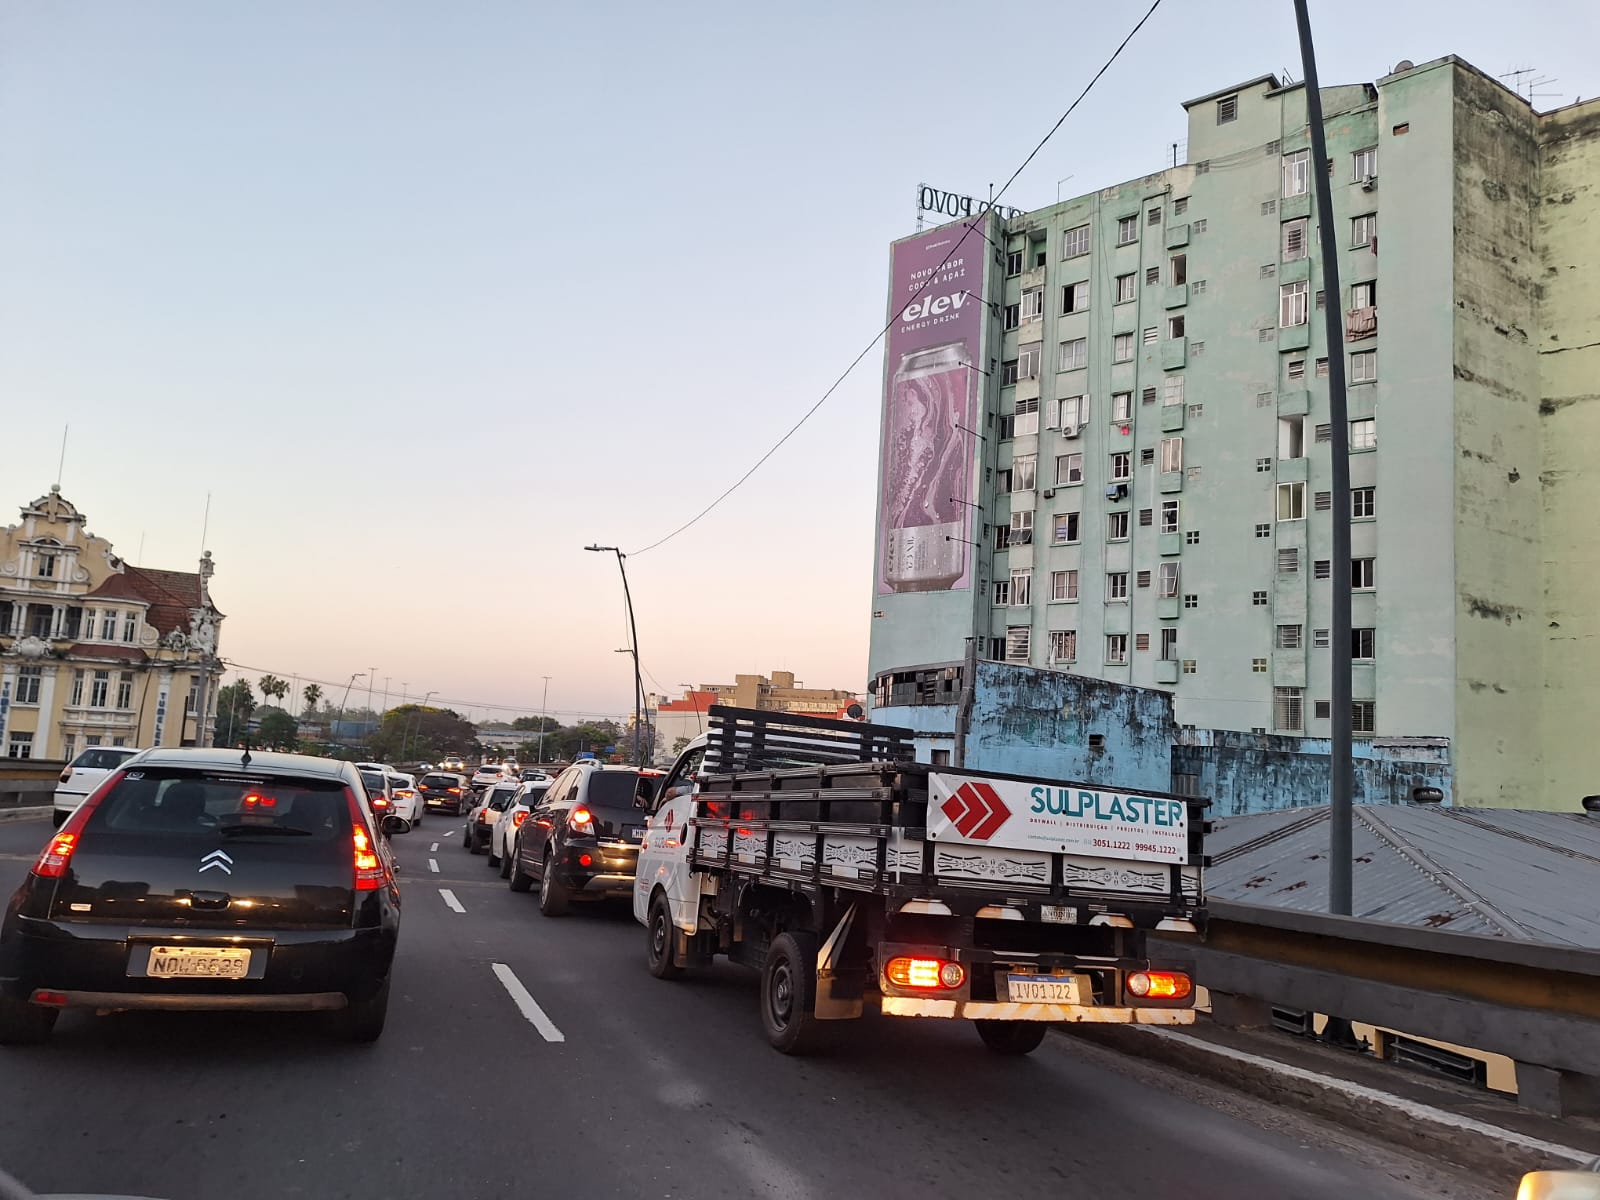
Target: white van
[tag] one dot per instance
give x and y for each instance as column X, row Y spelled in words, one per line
column 84, row 775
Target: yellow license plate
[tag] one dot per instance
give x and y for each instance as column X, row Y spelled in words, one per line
column 197, row 962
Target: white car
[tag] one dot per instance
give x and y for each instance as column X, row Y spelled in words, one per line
column 503, row 841
column 488, row 775
column 84, row 773
column 408, row 802
column 479, row 830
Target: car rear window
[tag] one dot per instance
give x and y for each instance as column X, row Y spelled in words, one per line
column 501, row 796
column 374, row 782
column 103, row 759
column 619, row 789
column 443, row 781
column 176, row 803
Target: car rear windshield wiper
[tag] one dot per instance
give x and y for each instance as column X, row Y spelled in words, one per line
column 239, row 827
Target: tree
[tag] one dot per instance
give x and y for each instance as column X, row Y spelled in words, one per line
column 235, row 704
column 277, row 730
column 410, row 732
column 272, row 687
column 313, row 696
column 535, row 724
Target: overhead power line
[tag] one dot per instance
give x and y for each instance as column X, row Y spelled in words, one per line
column 877, row 337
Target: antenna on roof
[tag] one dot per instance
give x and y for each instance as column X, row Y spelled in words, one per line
column 62, row 462
column 205, row 524
column 245, row 761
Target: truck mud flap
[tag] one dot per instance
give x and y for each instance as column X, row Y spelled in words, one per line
column 840, row 989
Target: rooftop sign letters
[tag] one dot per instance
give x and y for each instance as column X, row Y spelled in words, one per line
column 954, row 207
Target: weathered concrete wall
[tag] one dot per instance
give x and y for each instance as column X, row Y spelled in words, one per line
column 1567, row 221
column 1499, row 635
column 1248, row 773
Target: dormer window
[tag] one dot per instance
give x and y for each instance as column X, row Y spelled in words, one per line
column 47, row 566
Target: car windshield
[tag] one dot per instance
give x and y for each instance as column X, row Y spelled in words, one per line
column 179, row 802
column 500, row 797
column 375, row 783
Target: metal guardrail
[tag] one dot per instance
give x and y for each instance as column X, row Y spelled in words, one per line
column 1536, row 1003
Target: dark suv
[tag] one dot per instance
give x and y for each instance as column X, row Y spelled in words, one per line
column 582, row 842
column 207, row 879
column 446, row 791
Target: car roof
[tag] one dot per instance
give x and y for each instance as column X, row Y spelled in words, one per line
column 267, row 762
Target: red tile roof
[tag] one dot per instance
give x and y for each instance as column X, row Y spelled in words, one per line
column 117, row 587
column 172, row 594
column 130, row 654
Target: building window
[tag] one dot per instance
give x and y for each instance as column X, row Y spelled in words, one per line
column 1074, row 355
column 108, row 625
column 1288, row 560
column 1363, row 503
column 1364, row 164
column 1291, row 437
column 1179, row 263
column 1151, row 335
column 1263, row 466
column 1180, row 206
column 1169, row 643
column 1322, row 501
column 1363, row 230
column 1032, row 303
column 1171, row 454
column 1125, row 288
column 1290, row 636
column 20, row 746
column 28, row 684
column 1191, row 537
column 1019, row 639
column 1002, row 592
column 997, row 648
column 1363, row 574
column 1012, row 316
column 1013, row 263
column 47, row 570
column 1361, row 643
column 1121, row 406
column 1074, row 297
column 1291, row 502
column 1292, row 304
column 1026, row 421
column 1127, row 230
column 1190, row 666
column 1190, row 600
column 1066, row 528
column 1297, row 176
column 1364, row 294
column 1071, row 411
column 1063, row 645
column 125, row 690
column 1198, row 227
column 1258, row 666
column 1167, row 580
column 1117, row 649
column 1364, row 716
column 1141, row 641
column 1258, row 599
column 1227, row 109
column 77, row 687
column 1287, row 706
column 1116, row 585
column 1294, row 239
column 1322, row 368
column 1322, row 568
column 130, row 626
column 1364, row 366
column 1002, row 537
column 1022, row 587
column 1263, row 531
column 1296, row 370
column 1063, row 585
column 1069, row 468
column 1142, row 579
column 1117, row 527
column 1152, row 276
column 1364, row 434
column 1175, row 326
column 1023, row 470
column 99, row 687
column 1022, row 527
column 1008, row 372
column 1075, row 242
column 1324, row 433
column 1169, row 516
column 1121, row 466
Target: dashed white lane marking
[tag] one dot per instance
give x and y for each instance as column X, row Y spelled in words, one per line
column 449, row 898
column 527, row 1004
column 433, row 849
column 433, row 865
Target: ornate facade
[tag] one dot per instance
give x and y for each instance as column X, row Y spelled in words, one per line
column 95, row 651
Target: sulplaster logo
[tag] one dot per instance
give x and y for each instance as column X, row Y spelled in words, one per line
column 977, row 811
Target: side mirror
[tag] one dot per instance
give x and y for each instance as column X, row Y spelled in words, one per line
column 396, row 824
column 1561, row 1185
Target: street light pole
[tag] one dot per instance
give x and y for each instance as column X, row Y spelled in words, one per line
column 357, row 675
column 633, row 637
column 544, row 708
column 415, row 727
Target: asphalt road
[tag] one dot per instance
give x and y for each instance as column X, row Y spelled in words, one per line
column 615, row 1084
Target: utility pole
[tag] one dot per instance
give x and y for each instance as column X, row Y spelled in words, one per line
column 1341, row 891
column 544, row 708
column 354, row 676
column 633, row 637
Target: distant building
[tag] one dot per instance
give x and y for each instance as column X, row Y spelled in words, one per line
column 95, row 651
column 1115, row 462
column 677, row 721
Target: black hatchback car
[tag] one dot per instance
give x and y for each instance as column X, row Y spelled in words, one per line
column 582, row 842
column 207, row 879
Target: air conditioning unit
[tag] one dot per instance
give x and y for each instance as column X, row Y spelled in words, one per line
column 1369, row 182
column 1049, row 493
column 1117, row 491
column 1071, row 431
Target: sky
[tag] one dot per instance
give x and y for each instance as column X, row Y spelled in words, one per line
column 427, row 297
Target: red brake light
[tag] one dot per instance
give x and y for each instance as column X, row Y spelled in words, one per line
column 518, row 818
column 66, row 775
column 370, row 873
column 585, row 861
column 1159, row 985
column 254, row 800
column 57, row 853
column 928, row 973
column 454, row 791
column 581, row 820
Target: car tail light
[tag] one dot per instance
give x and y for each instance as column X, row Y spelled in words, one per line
column 57, row 853
column 370, row 873
column 518, row 818
column 927, row 973
column 1159, row 985
column 581, row 820
column 66, row 775
column 454, row 791
column 49, row 999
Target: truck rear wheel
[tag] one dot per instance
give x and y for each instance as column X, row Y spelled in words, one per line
column 788, row 994
column 661, row 936
column 1012, row 1037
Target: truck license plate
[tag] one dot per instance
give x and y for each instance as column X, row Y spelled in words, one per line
column 1043, row 989
column 1058, row 914
column 204, row 962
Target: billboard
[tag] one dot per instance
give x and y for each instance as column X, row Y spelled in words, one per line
column 928, row 477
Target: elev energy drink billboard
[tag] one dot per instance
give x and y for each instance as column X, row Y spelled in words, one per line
column 928, row 477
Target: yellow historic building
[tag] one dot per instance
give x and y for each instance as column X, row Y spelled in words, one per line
column 93, row 650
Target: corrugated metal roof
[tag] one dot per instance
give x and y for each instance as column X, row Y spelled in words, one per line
column 1531, row 875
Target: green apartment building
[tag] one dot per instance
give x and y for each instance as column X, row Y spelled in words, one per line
column 1153, row 478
